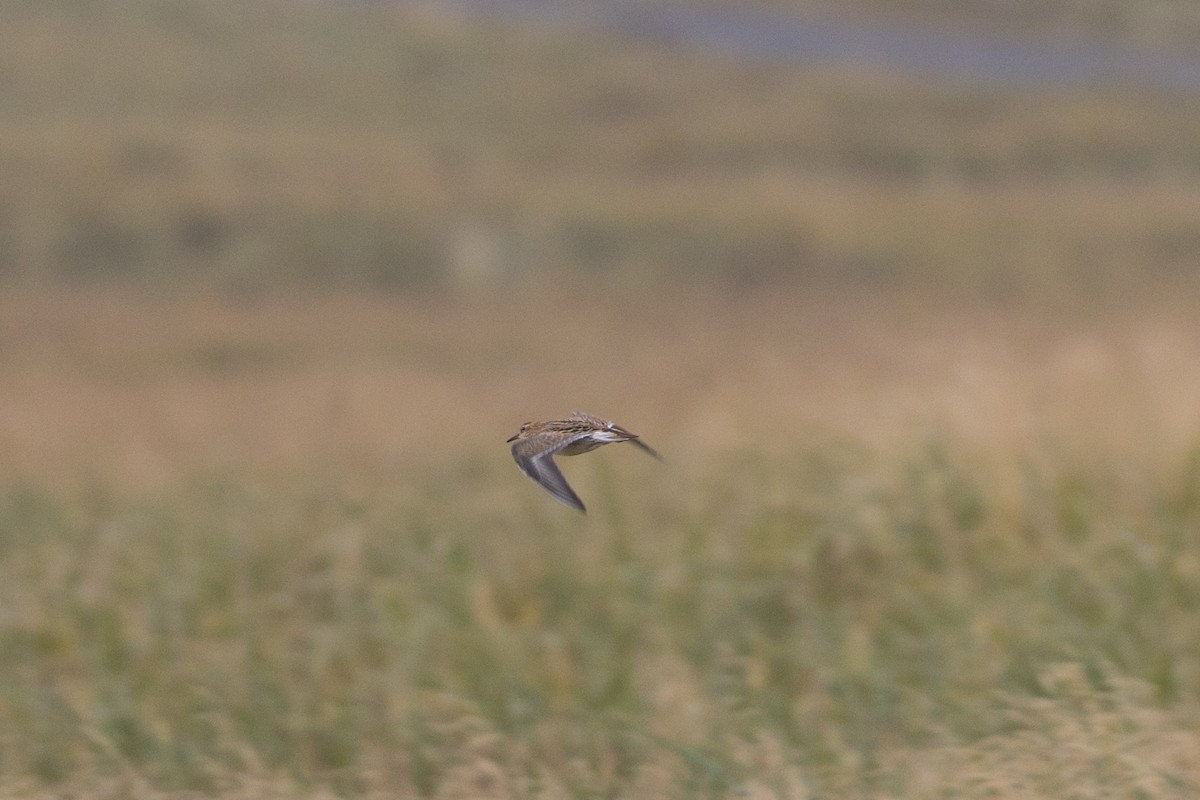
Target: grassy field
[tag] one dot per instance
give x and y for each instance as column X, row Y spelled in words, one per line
column 253, row 145
column 897, row 549
column 278, row 279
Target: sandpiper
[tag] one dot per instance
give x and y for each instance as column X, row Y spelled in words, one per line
column 536, row 444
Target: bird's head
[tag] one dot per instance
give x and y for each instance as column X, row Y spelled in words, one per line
column 521, row 434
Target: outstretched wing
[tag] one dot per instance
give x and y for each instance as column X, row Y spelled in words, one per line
column 535, row 457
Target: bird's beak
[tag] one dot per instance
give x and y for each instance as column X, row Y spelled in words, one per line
column 514, row 436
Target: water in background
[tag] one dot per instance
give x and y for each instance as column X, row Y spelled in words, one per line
column 763, row 35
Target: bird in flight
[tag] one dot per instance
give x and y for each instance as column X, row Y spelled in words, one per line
column 537, row 443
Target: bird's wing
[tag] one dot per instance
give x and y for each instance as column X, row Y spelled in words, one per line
column 535, row 457
column 635, row 440
column 591, row 419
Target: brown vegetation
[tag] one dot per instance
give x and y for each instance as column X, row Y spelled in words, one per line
column 279, row 279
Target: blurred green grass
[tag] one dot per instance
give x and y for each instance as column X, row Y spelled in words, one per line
column 897, row 549
column 882, row 616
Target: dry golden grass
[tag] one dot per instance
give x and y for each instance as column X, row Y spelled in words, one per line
column 147, row 388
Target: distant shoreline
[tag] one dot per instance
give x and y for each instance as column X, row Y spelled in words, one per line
column 1005, row 59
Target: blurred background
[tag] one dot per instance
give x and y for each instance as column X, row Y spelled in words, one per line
column 542, row 204
column 277, row 279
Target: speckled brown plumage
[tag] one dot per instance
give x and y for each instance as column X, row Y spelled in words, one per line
column 536, row 444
